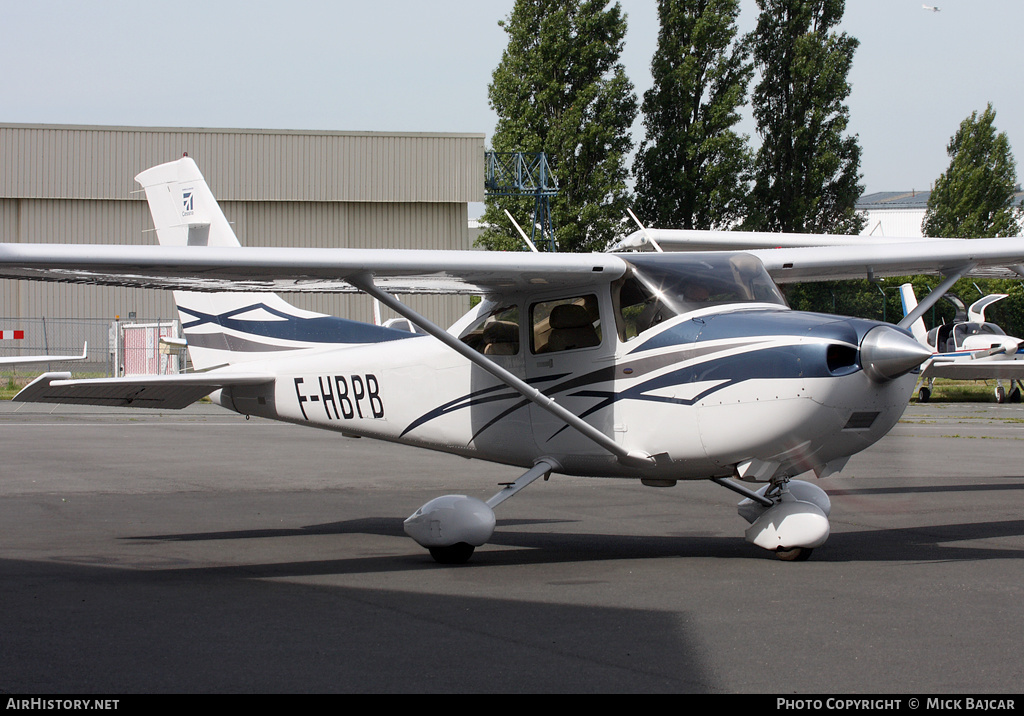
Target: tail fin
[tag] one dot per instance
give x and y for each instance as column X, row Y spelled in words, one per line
column 184, row 209
column 909, row 304
column 976, row 313
column 230, row 327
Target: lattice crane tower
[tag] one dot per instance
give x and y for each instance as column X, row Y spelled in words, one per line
column 525, row 174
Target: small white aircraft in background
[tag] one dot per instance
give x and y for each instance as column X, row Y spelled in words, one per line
column 652, row 367
column 969, row 348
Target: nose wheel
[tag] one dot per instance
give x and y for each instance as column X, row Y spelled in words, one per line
column 794, row 554
column 458, row 553
column 787, row 517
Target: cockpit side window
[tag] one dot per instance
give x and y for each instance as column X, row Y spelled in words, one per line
column 637, row 309
column 565, row 324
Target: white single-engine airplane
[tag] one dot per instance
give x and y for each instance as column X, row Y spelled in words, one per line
column 969, row 348
column 654, row 367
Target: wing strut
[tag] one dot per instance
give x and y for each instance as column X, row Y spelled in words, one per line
column 938, row 292
column 647, row 234
column 632, row 458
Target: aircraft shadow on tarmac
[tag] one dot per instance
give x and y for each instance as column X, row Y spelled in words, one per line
column 918, row 543
column 89, row 628
column 932, row 489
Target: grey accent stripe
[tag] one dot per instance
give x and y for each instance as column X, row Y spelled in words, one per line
column 227, row 342
column 643, row 366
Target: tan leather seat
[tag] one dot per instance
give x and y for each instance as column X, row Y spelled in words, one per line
column 501, row 338
column 571, row 328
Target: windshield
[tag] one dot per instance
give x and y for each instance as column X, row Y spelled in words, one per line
column 963, row 330
column 686, row 282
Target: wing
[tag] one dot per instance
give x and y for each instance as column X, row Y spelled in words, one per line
column 825, row 257
column 699, row 240
column 171, row 392
column 287, row 270
column 997, row 256
column 996, row 367
column 199, row 268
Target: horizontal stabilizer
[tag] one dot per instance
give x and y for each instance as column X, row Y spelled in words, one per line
column 25, row 360
column 169, row 392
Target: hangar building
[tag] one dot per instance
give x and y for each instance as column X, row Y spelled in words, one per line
column 75, row 184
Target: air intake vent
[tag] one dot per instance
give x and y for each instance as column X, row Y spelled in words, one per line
column 860, row 421
column 841, row 359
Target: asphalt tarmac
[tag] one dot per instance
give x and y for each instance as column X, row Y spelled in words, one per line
column 198, row 552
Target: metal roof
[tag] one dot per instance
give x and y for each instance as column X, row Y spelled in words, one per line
column 893, row 200
column 905, row 200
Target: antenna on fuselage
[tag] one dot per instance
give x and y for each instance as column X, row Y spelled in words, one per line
column 644, row 229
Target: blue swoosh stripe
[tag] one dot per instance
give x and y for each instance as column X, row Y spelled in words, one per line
column 321, row 329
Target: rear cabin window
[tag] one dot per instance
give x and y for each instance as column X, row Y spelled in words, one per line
column 496, row 334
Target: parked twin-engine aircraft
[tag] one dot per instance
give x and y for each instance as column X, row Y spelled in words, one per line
column 969, row 348
column 653, row 367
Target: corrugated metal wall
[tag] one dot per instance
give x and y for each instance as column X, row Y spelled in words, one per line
column 68, row 184
column 56, row 162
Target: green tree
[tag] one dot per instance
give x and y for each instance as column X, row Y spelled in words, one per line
column 975, row 196
column 561, row 89
column 691, row 169
column 807, row 173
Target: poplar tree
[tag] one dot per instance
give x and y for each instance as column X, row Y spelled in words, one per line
column 691, row 171
column 807, row 172
column 561, row 89
column 975, row 196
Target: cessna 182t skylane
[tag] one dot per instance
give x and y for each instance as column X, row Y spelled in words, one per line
column 655, row 367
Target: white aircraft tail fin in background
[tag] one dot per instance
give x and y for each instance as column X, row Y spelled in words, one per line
column 227, row 328
column 976, row 313
column 909, row 304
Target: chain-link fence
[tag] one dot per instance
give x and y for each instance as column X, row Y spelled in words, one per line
column 114, row 347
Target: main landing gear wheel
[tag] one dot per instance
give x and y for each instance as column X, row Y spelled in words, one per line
column 923, row 395
column 795, row 554
column 458, row 553
column 452, row 526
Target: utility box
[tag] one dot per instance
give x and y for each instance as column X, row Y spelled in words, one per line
column 147, row 348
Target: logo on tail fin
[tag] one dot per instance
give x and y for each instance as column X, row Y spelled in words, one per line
column 188, row 201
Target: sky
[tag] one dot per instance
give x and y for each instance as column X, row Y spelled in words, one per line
column 424, row 66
